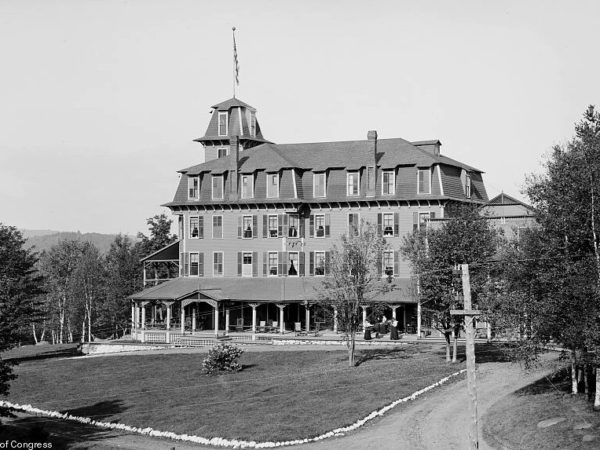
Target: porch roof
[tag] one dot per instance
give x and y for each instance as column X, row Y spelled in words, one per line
column 259, row 290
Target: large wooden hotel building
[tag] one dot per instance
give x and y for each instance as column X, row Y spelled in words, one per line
column 257, row 221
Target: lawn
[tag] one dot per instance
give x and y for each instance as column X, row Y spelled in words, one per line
column 279, row 395
column 512, row 421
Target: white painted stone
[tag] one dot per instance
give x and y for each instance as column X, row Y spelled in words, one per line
column 582, row 426
column 588, row 438
column 549, row 422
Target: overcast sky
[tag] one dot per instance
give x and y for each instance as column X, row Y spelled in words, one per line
column 100, row 100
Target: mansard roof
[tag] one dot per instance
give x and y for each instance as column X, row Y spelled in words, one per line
column 232, row 103
column 320, row 156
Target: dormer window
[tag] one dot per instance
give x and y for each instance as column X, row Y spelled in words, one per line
column 352, row 184
column 388, row 183
column 272, row 185
column 423, row 181
column 247, row 186
column 221, row 152
column 319, row 187
column 468, row 186
column 253, row 124
column 217, row 187
column 223, row 123
column 193, row 188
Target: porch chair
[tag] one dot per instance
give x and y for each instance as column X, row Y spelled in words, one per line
column 261, row 326
column 275, row 327
column 239, row 326
column 298, row 329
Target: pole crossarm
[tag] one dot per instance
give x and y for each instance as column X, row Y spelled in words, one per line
column 465, row 312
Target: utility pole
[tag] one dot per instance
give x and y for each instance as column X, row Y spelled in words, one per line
column 470, row 315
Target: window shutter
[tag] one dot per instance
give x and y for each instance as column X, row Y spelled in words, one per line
column 396, row 263
column 301, row 259
column 380, row 222
column 254, row 226
column 311, row 263
column 186, row 264
column 379, row 265
column 285, row 225
column 239, row 227
column 200, row 227
column 327, row 262
column 284, row 263
column 311, row 225
column 201, row 264
column 301, row 224
column 265, row 226
column 432, row 215
column 255, row 264
column 415, row 221
column 396, row 224
column 181, row 263
column 239, row 264
column 327, row 224
column 280, row 225
column 265, row 261
column 280, row 264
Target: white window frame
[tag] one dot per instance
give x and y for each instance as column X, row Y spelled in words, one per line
column 213, row 227
column 224, row 149
column 190, row 227
column 384, row 267
column 392, row 174
column 251, row 184
column 194, row 183
column 315, row 177
column 468, row 186
column 383, row 225
column 423, row 214
column 316, row 227
column 248, row 272
column 295, row 216
column 197, row 254
column 289, row 265
column 270, row 177
column 217, row 178
column 419, row 187
column 348, row 222
column 215, row 273
column 219, row 115
column 252, row 230
column 269, row 235
column 348, row 176
column 269, row 274
column 315, row 264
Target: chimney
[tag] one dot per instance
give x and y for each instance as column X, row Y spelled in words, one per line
column 372, row 162
column 234, row 162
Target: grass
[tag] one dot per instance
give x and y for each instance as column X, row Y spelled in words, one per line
column 512, row 421
column 279, row 395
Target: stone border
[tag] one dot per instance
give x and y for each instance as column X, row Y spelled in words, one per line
column 222, row 442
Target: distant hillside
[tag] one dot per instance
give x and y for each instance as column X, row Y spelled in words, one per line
column 45, row 239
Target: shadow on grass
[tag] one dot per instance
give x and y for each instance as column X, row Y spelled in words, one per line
column 40, row 352
column 385, row 354
column 61, row 433
column 484, row 353
column 558, row 382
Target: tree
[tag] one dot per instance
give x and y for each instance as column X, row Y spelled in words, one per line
column 464, row 238
column 160, row 237
column 355, row 279
column 20, row 285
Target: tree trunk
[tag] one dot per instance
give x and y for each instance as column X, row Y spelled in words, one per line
column 454, row 345
column 586, row 380
column 351, row 348
column 573, row 373
column 447, row 337
column 35, row 339
column 89, row 314
column 83, row 330
column 597, row 396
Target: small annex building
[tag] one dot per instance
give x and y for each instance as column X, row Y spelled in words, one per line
column 257, row 221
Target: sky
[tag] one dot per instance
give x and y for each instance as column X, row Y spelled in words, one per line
column 100, row 100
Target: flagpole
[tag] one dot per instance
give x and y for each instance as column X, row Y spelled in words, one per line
column 234, row 63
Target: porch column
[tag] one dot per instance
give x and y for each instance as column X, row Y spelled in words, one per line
column 226, row 321
column 216, row 318
column 364, row 310
column 182, row 318
column 143, row 315
column 253, row 306
column 281, row 324
column 169, row 304
column 394, row 308
column 194, row 317
column 132, row 317
column 335, row 325
column 307, row 316
column 489, row 331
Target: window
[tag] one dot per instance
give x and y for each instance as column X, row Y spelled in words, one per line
column 294, row 224
column 388, row 263
column 221, row 153
column 273, row 226
column 181, row 232
column 196, row 227
column 194, row 264
column 388, row 224
column 319, row 185
column 247, row 186
column 222, row 123
column 217, row 227
column 468, row 186
column 320, row 225
column 272, row 264
column 293, row 264
column 218, row 264
column 353, row 223
column 388, row 183
column 247, row 227
column 252, row 124
column 423, row 181
column 272, row 185
column 247, row 264
column 352, row 184
column 193, row 187
column 319, row 263
column 420, row 220
column 217, row 187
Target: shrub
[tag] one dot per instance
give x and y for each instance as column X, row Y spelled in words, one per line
column 222, row 358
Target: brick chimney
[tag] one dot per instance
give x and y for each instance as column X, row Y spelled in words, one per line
column 234, row 162
column 372, row 162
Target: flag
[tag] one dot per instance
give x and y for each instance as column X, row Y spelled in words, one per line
column 235, row 60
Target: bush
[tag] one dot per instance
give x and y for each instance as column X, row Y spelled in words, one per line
column 222, row 358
